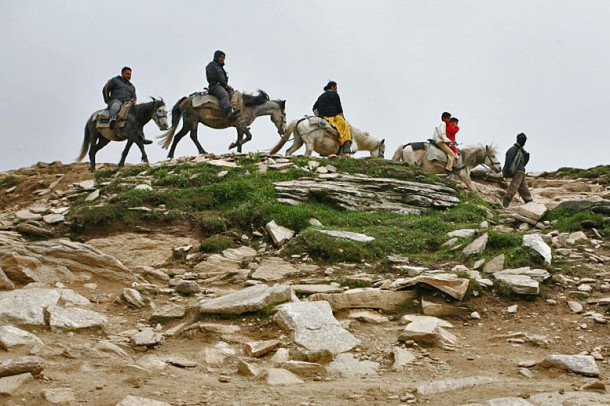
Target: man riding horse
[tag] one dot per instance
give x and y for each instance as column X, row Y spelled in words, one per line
column 118, row 91
column 218, row 84
column 328, row 106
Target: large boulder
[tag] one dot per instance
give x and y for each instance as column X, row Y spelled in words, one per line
column 448, row 283
column 519, row 284
column 365, row 298
column 313, row 326
column 535, row 242
column 27, row 306
column 579, row 364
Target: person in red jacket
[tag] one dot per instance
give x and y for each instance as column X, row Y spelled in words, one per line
column 452, row 129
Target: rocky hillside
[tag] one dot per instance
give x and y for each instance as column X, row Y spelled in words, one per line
column 258, row 280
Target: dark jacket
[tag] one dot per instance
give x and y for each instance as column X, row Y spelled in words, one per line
column 328, row 104
column 516, row 152
column 215, row 74
column 119, row 88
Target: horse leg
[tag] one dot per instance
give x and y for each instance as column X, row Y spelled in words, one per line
column 97, row 143
column 140, row 145
column 196, row 141
column 297, row 143
column 125, row 152
column 239, row 141
column 183, row 131
column 464, row 176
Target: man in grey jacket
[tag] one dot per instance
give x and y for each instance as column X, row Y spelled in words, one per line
column 218, row 83
column 118, row 91
column 514, row 167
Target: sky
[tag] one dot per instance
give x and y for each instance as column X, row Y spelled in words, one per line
column 502, row 67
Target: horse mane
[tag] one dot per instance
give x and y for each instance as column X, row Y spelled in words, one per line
column 255, row 99
column 473, row 154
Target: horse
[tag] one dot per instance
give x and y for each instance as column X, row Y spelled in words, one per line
column 211, row 116
column 472, row 157
column 138, row 116
column 314, row 137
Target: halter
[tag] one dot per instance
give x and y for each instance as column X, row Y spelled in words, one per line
column 493, row 163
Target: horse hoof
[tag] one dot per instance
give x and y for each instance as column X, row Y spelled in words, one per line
column 232, row 145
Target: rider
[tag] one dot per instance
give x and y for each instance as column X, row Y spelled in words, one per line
column 117, row 91
column 452, row 130
column 218, row 83
column 328, row 106
column 441, row 140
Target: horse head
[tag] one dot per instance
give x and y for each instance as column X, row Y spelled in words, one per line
column 381, row 148
column 490, row 159
column 159, row 114
column 278, row 117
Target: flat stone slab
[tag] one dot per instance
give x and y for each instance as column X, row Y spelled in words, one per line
column 496, row 264
column 348, row 366
column 579, row 364
column 532, row 210
column 73, row 318
column 138, row 401
column 315, row 288
column 279, row 376
column 580, row 398
column 535, row 242
column 448, row 283
column 446, row 385
column 477, row 246
column 366, row 298
column 313, row 326
column 247, row 300
column 368, row 316
column 519, row 284
column 274, row 269
column 539, row 275
column 433, row 308
column 12, row 337
column 304, row 369
column 169, row 311
column 146, row 338
column 10, row 384
column 279, row 234
column 462, row 233
column 59, row 396
column 27, row 306
column 259, row 348
column 358, row 237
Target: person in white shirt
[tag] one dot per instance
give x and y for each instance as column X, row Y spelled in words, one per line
column 441, row 140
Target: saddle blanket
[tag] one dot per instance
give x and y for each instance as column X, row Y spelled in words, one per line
column 434, row 153
column 201, row 98
column 329, row 130
column 102, row 118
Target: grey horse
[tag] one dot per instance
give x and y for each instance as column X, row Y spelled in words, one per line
column 472, row 157
column 138, row 116
column 210, row 115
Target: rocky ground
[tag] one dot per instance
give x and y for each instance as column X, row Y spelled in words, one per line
column 137, row 315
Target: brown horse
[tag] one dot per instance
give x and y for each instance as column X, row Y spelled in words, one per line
column 210, row 115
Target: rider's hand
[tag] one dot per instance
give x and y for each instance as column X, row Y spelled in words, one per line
column 230, row 88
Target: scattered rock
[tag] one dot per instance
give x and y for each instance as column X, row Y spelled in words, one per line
column 402, row 357
column 10, row 384
column 520, row 284
column 73, row 318
column 451, row 284
column 187, row 288
column 259, row 348
column 535, row 242
column 138, row 401
column 532, row 210
column 365, row 298
column 12, row 337
column 304, row 369
column 446, row 385
column 273, row 269
column 430, row 330
column 250, row 299
column 313, row 326
column 368, row 316
column 59, row 396
column 348, row 366
column 146, row 338
column 358, row 237
column 575, row 307
column 279, row 376
column 15, row 366
column 279, row 234
column 496, row 264
column 477, row 246
column 133, row 297
column 579, row 364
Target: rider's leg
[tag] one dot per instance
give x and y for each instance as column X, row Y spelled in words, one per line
column 345, row 135
column 114, row 106
column 223, row 99
column 524, row 191
column 513, row 187
column 450, row 155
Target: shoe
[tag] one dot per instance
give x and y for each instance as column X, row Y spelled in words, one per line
column 145, row 141
column 233, row 113
column 505, row 202
column 112, row 123
column 451, row 176
column 347, row 147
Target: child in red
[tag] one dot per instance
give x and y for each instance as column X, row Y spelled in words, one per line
column 452, row 129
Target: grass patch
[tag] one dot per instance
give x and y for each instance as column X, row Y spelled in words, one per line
column 566, row 220
column 8, row 182
column 600, row 173
column 216, row 243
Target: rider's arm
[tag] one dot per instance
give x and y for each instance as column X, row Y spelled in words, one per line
column 106, row 91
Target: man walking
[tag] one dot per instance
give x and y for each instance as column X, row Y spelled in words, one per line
column 218, row 83
column 514, row 167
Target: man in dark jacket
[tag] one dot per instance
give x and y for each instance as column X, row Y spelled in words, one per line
column 329, row 106
column 514, row 167
column 218, row 83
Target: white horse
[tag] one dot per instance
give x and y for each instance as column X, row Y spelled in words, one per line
column 472, row 157
column 311, row 132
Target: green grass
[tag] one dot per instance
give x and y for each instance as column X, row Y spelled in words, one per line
column 600, row 173
column 566, row 220
column 8, row 182
column 216, row 243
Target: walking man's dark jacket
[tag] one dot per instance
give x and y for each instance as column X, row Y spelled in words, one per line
column 120, row 89
column 519, row 156
column 328, row 104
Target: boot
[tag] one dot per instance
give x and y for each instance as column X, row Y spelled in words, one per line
column 112, row 122
column 144, row 140
column 233, row 113
column 505, row 202
column 347, row 147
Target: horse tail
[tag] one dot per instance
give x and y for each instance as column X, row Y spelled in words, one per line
column 86, row 143
column 289, row 130
column 397, row 157
column 167, row 137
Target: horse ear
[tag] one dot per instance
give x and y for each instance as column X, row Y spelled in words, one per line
column 283, row 104
column 382, row 141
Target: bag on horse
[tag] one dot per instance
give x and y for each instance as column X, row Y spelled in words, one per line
column 324, row 124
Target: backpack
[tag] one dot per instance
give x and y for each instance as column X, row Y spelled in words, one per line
column 517, row 161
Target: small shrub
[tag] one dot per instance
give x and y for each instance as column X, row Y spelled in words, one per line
column 8, row 181
column 216, row 243
column 212, row 223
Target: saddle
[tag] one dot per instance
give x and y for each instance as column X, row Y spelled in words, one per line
column 102, row 118
column 329, row 130
column 434, row 153
column 211, row 101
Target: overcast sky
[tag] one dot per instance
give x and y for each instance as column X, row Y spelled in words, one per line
column 502, row 67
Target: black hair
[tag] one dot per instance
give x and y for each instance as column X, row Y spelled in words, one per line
column 330, row 84
column 125, row 68
column 445, row 115
column 454, row 120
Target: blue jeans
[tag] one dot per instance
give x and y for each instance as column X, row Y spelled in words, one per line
column 114, row 106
